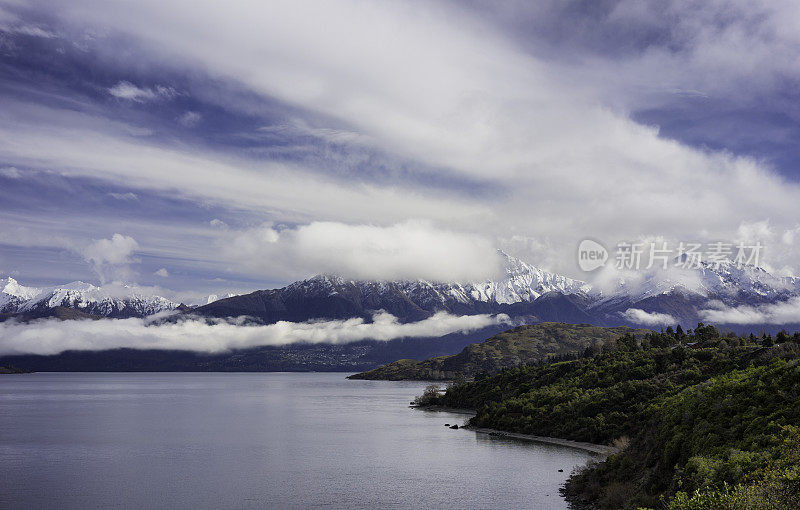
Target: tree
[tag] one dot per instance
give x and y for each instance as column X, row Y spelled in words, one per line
column 705, row 333
column 429, row 396
column 459, row 379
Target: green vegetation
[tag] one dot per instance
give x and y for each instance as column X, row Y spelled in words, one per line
column 707, row 421
column 11, row 369
column 523, row 344
column 428, row 396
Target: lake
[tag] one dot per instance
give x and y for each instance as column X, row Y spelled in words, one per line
column 256, row 440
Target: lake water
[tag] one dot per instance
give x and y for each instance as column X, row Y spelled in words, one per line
column 268, row 440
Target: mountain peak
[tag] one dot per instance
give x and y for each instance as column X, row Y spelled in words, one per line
column 13, row 288
column 117, row 301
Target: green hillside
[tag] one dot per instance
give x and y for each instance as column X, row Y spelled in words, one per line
column 704, row 421
column 523, row 344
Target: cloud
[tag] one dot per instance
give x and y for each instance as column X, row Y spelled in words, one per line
column 127, row 90
column 409, row 250
column 163, row 273
column 130, row 197
column 111, row 256
column 53, row 336
column 638, row 316
column 446, row 90
column 10, row 172
column 189, row 119
column 10, row 22
column 785, row 312
column 299, row 127
column 116, row 250
column 83, row 146
column 34, row 31
column 639, row 53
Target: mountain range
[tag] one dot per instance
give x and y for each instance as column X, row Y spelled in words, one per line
column 658, row 298
column 525, row 292
column 116, row 301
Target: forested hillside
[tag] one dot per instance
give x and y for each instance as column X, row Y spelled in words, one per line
column 517, row 346
column 704, row 421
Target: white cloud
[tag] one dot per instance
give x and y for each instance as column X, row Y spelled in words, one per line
column 116, row 250
column 10, row 172
column 130, row 197
column 110, row 257
column 638, row 316
column 163, row 273
column 53, row 336
column 10, row 22
column 785, row 312
column 87, row 146
column 34, row 31
column 408, row 250
column 127, row 90
column 189, row 119
column 450, row 92
column 330, row 135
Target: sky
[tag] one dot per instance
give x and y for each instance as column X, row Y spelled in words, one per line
column 209, row 147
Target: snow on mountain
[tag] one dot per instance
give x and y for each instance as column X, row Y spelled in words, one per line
column 522, row 283
column 731, row 279
column 523, row 288
column 725, row 280
column 215, row 297
column 110, row 301
column 12, row 294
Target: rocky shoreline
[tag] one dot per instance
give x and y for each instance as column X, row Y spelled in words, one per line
column 600, row 449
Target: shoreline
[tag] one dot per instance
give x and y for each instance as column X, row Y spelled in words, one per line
column 599, row 449
column 445, row 409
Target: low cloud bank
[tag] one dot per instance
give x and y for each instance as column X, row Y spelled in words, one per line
column 638, row 316
column 409, row 250
column 53, row 336
column 785, row 312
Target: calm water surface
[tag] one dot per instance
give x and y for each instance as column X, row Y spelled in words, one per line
column 274, row 440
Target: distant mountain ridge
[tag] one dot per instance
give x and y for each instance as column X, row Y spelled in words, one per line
column 524, row 292
column 121, row 302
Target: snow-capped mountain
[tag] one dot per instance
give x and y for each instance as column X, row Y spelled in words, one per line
column 328, row 296
column 525, row 291
column 116, row 301
column 12, row 294
column 522, row 283
column 724, row 281
column 731, row 279
column 215, row 297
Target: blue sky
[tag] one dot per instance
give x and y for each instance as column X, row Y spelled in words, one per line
column 246, row 145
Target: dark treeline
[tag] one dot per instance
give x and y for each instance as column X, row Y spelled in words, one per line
column 704, row 420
